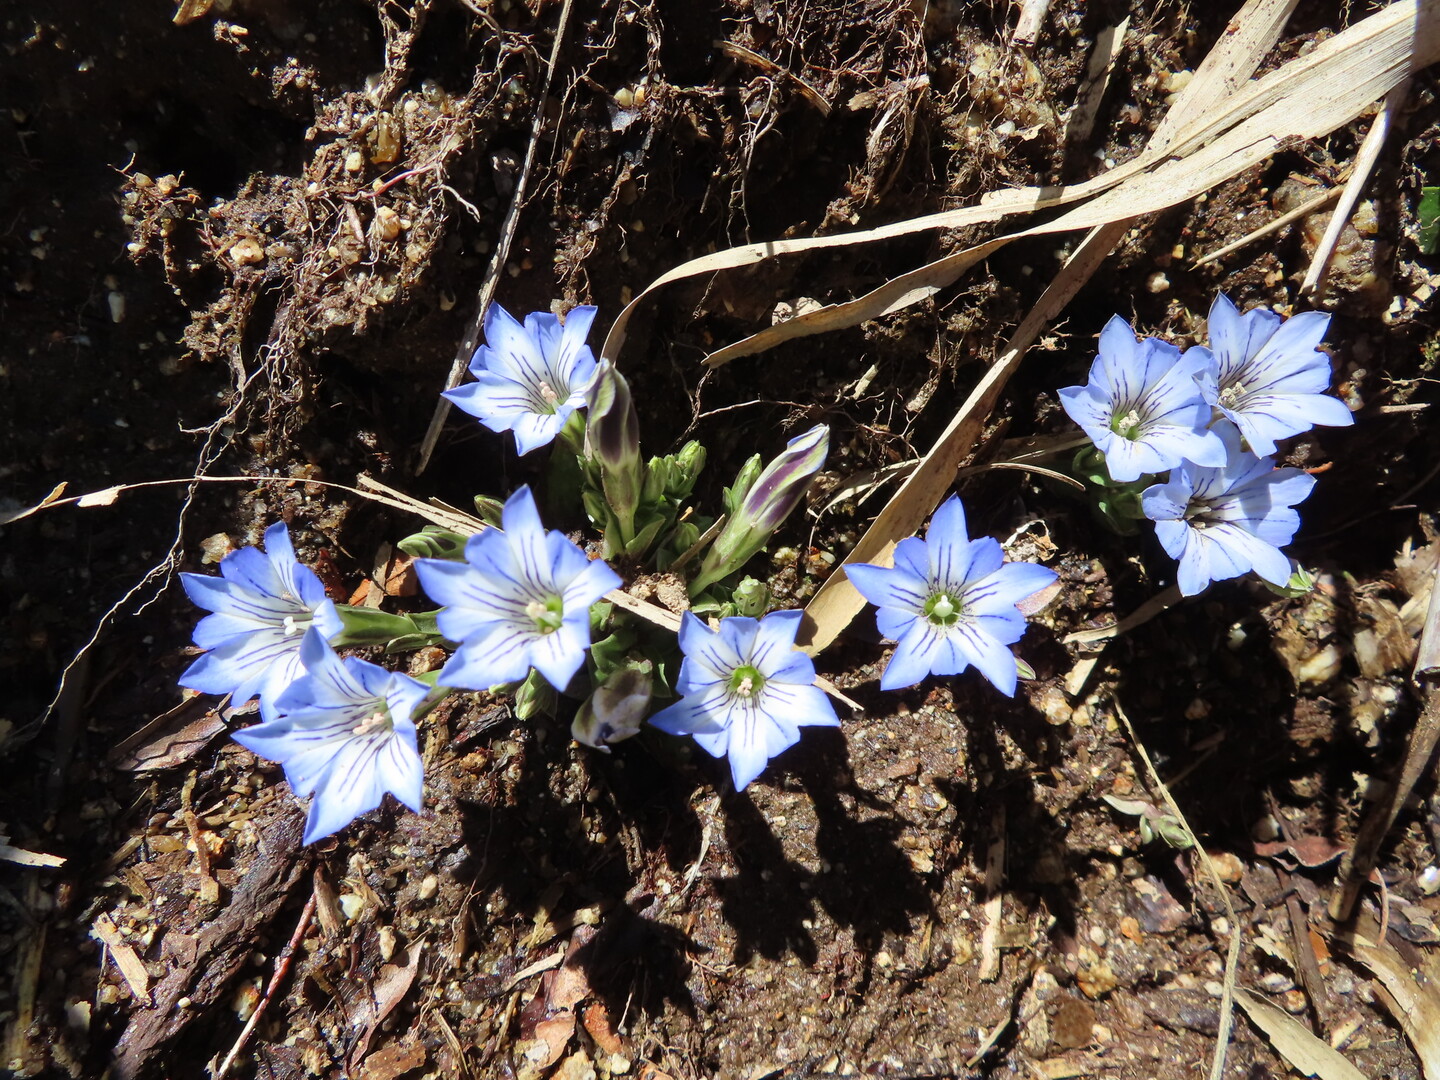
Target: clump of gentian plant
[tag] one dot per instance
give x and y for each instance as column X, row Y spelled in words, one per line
column 1185, row 440
column 523, row 609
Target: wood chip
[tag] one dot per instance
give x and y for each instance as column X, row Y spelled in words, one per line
column 132, row 969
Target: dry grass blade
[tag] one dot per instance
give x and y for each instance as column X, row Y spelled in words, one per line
column 1108, row 45
column 1410, row 995
column 1365, row 161
column 1307, row 98
column 1232, row 952
column 1293, row 1041
column 837, row 602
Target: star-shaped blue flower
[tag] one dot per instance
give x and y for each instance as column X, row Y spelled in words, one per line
column 1221, row 523
column 746, row 691
column 262, row 604
column 520, row 599
column 1142, row 407
column 1268, row 377
column 949, row 602
column 345, row 733
column 529, row 379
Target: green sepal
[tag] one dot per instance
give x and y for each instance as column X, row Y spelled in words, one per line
column 433, row 542
column 371, row 626
column 1301, row 582
column 489, row 510
column 734, row 495
column 645, row 537
column 535, row 696
column 1024, row 670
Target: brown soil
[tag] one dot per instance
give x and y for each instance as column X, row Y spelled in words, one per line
column 211, row 259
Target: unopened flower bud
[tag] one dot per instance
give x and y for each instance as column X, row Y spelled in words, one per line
column 751, row 596
column 749, row 473
column 766, row 503
column 534, row 697
column 688, row 464
column 615, row 710
column 612, row 440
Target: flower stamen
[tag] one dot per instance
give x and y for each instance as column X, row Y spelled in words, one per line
column 746, row 682
column 1127, row 426
column 373, row 724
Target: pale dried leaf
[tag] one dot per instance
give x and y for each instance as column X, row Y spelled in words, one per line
column 132, row 968
column 1293, row 1041
column 1414, row 1001
column 392, row 983
column 104, row 497
column 15, row 515
column 171, row 739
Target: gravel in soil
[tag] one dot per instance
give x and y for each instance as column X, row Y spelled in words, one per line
column 248, row 240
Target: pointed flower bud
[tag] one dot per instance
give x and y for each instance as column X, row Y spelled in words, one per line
column 744, row 480
column 688, row 464
column 615, row 710
column 612, row 441
column 751, row 597
column 766, row 503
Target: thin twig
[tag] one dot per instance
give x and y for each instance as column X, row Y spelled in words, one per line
column 1304, row 210
column 1028, row 25
column 1362, row 858
column 471, row 340
column 282, row 967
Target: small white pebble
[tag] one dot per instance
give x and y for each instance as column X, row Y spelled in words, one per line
column 1157, row 282
column 1430, row 880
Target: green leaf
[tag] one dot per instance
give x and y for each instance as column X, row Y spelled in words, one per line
column 1429, row 214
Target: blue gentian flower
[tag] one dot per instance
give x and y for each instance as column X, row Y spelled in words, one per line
column 746, row 691
column 1269, row 378
column 1220, row 523
column 529, row 379
column 521, row 599
column 1142, row 407
column 262, row 604
column 949, row 602
column 344, row 733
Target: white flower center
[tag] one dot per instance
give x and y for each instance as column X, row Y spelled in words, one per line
column 373, row 724
column 547, row 392
column 292, row 627
column 1230, row 396
column 1127, row 426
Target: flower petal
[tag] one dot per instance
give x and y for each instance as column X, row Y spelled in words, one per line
column 969, row 642
column 888, row 587
column 915, row 654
